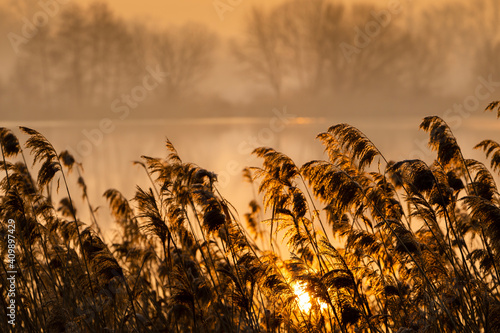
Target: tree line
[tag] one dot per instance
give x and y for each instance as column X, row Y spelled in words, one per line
column 86, row 57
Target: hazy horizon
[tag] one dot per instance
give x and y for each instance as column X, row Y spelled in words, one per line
column 226, row 77
column 103, row 68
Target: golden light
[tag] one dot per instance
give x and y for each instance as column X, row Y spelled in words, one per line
column 303, row 297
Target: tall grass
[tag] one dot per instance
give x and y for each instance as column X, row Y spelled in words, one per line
column 348, row 246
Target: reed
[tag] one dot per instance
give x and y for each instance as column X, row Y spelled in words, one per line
column 342, row 244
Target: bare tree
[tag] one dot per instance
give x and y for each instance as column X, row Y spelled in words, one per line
column 72, row 55
column 185, row 53
column 31, row 79
column 290, row 45
column 260, row 52
column 361, row 60
column 112, row 66
column 487, row 38
column 305, row 29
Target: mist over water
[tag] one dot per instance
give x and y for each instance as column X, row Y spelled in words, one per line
column 210, row 83
column 223, row 145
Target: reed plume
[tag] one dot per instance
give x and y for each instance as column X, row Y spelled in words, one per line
column 339, row 244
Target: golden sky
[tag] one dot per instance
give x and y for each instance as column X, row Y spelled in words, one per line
column 227, row 21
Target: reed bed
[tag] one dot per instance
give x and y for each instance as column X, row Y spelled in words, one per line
column 342, row 244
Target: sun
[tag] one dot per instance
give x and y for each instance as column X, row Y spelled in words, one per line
column 303, row 298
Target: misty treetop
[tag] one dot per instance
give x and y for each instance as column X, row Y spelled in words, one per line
column 84, row 58
column 87, row 57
